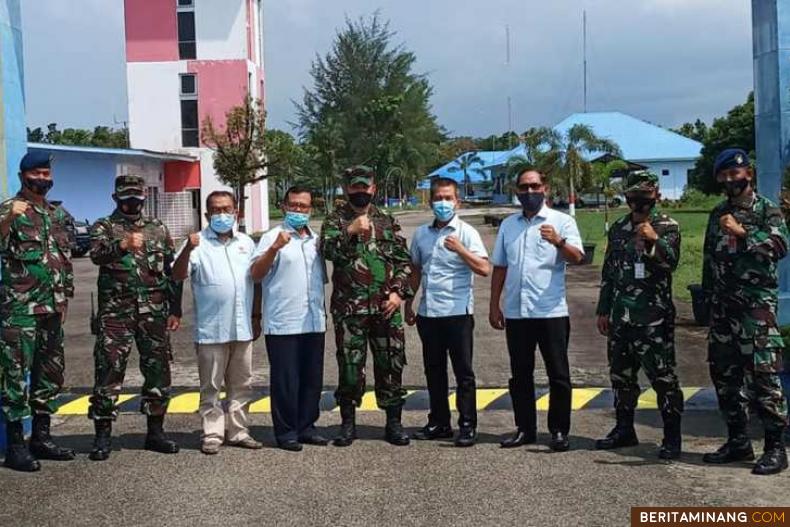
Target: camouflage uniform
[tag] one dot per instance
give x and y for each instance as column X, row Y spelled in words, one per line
column 740, row 280
column 136, row 296
column 641, row 313
column 365, row 273
column 37, row 281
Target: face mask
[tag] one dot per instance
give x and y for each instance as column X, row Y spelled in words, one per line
column 360, row 199
column 222, row 223
column 131, row 206
column 531, row 201
column 296, row 220
column 735, row 188
column 38, row 186
column 641, row 205
column 443, row 210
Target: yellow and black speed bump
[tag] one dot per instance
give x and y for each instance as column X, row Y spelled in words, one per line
column 186, row 401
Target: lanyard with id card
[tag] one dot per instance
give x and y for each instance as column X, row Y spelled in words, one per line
column 639, row 265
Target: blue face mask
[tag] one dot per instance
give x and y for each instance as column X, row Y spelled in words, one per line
column 222, row 223
column 296, row 220
column 443, row 210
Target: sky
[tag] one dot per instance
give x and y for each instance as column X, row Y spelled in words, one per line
column 664, row 61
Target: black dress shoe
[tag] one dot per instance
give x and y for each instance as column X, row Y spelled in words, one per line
column 735, row 449
column 291, row 445
column 466, row 437
column 559, row 442
column 519, row 437
column 431, row 432
column 618, row 437
column 314, row 439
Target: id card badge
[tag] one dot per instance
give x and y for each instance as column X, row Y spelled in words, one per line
column 639, row 270
column 732, row 244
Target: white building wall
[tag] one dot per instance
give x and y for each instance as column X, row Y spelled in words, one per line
column 221, row 29
column 673, row 184
column 154, row 105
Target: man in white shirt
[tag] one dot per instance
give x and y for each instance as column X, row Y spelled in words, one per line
column 445, row 255
column 531, row 252
column 227, row 321
column 293, row 275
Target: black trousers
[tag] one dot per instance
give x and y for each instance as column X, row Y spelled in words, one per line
column 453, row 335
column 297, row 373
column 551, row 336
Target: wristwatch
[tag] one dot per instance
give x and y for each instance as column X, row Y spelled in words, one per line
column 561, row 244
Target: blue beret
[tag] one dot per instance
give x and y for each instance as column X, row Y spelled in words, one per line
column 731, row 158
column 34, row 160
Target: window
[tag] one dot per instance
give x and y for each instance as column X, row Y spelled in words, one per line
column 665, row 172
column 188, row 85
column 190, row 127
column 151, row 208
column 187, row 48
column 186, row 3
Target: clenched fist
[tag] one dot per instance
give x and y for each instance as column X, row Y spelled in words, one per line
column 18, row 208
column 453, row 244
column 132, row 242
column 282, row 240
column 193, row 240
column 730, row 225
column 646, row 232
column 361, row 225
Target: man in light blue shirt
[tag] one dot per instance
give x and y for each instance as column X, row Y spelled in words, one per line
column 531, row 252
column 293, row 275
column 227, row 312
column 446, row 254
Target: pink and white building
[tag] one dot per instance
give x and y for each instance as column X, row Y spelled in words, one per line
column 187, row 60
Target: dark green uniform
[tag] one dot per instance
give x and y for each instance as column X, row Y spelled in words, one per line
column 636, row 295
column 740, row 280
column 365, row 272
column 37, row 280
column 136, row 296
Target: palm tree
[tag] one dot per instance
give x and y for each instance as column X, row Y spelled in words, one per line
column 467, row 163
column 540, row 153
column 575, row 147
column 602, row 174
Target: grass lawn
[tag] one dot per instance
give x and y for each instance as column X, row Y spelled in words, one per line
column 692, row 230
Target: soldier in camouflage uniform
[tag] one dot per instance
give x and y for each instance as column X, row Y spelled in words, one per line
column 636, row 312
column 138, row 303
column 37, row 282
column 370, row 281
column 745, row 238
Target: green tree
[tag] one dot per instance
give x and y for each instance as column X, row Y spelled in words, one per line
column 368, row 106
column 239, row 148
column 468, row 163
column 735, row 130
column 284, row 161
column 697, row 130
column 602, row 178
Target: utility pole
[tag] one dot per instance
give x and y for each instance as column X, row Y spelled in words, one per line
column 584, row 31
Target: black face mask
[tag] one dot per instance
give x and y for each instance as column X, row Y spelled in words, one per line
column 37, row 186
column 735, row 188
column 641, row 205
column 360, row 199
column 531, row 201
column 131, row 207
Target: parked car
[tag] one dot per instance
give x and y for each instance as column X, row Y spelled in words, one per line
column 598, row 200
column 82, row 239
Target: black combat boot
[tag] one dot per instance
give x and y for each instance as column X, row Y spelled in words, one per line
column 774, row 458
column 41, row 444
column 737, row 448
column 156, row 440
column 671, row 444
column 17, row 455
column 394, row 430
column 623, row 433
column 348, row 427
column 102, row 442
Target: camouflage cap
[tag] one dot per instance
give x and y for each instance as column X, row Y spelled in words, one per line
column 642, row 180
column 129, row 187
column 359, row 174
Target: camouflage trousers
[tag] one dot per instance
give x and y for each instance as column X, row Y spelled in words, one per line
column 387, row 345
column 745, row 356
column 30, row 344
column 117, row 333
column 651, row 348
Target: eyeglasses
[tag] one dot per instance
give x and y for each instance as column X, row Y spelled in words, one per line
column 300, row 207
column 524, row 187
